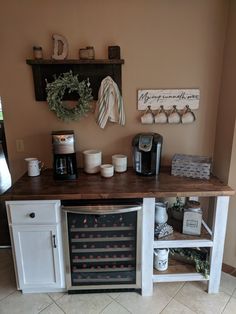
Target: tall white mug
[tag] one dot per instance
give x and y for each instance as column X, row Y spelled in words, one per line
column 34, row 166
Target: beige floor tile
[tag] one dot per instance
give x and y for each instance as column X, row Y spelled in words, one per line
column 228, row 283
column 234, row 294
column 115, row 308
column 86, row 303
column 7, row 290
column 52, row 309
column 56, row 295
column 174, row 307
column 6, row 260
column 194, row 297
column 230, row 307
column 138, row 304
column 18, row 303
column 7, row 283
column 169, row 288
column 114, row 295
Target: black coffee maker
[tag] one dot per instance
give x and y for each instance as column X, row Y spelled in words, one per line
column 147, row 153
column 64, row 156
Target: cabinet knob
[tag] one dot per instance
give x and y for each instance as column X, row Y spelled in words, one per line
column 32, row 215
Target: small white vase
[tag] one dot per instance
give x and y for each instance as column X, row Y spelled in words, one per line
column 161, row 215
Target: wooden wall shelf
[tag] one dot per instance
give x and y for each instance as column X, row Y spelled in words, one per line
column 96, row 70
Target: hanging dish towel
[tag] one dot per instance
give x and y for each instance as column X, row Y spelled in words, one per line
column 110, row 104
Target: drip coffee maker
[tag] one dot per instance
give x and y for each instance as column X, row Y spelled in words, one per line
column 64, row 155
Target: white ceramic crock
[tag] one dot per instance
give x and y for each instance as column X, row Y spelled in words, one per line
column 92, row 160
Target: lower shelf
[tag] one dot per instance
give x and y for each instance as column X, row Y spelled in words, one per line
column 177, row 271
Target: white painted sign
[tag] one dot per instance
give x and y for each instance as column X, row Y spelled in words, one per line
column 168, row 98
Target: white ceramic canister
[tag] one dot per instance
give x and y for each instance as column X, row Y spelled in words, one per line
column 107, row 170
column 92, row 160
column 34, row 166
column 161, row 259
column 119, row 162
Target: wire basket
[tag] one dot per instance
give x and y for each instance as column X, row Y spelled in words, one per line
column 191, row 166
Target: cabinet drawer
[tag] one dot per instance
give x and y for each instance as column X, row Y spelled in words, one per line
column 33, row 212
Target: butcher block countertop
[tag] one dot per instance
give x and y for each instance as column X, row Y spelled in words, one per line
column 121, row 185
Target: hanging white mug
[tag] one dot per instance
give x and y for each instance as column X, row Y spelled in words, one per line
column 188, row 116
column 148, row 116
column 34, row 167
column 174, row 116
column 161, row 116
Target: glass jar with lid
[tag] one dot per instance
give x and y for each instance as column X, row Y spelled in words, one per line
column 38, row 52
column 192, row 218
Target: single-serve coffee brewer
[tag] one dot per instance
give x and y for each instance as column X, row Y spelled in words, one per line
column 147, row 153
column 64, row 155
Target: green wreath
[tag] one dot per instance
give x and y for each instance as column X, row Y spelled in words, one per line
column 67, row 82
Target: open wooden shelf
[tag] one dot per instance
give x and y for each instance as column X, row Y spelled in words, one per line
column 175, row 266
column 177, row 271
column 178, row 239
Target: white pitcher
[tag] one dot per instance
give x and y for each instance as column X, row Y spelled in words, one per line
column 34, row 167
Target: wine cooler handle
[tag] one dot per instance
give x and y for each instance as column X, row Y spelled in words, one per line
column 54, row 241
column 101, row 209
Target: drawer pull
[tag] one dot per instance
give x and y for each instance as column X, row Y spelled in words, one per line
column 54, row 241
column 32, row 215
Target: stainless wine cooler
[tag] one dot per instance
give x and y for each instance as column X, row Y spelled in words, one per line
column 102, row 246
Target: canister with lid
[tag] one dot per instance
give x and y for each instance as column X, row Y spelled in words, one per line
column 38, row 52
column 161, row 259
column 192, row 218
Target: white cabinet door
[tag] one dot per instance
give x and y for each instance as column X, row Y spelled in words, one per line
column 37, row 253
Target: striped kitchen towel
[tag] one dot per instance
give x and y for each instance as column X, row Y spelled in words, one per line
column 110, row 105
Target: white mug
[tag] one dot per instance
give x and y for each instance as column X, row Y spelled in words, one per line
column 188, row 116
column 147, row 118
column 34, row 167
column 161, row 116
column 174, row 116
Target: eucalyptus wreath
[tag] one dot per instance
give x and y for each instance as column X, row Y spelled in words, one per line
column 67, row 82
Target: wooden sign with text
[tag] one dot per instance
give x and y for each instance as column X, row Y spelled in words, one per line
column 168, row 98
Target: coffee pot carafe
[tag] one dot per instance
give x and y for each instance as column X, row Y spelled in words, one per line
column 64, row 156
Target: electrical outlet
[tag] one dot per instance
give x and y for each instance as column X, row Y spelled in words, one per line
column 20, row 146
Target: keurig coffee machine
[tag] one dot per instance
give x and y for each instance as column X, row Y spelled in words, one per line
column 64, row 156
column 147, row 153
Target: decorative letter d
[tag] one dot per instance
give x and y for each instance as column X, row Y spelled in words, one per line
column 60, row 52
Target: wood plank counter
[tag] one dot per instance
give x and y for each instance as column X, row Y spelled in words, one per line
column 123, row 185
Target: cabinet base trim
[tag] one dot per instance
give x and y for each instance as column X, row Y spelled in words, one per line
column 178, row 277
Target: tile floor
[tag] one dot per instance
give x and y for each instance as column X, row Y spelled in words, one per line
column 168, row 298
